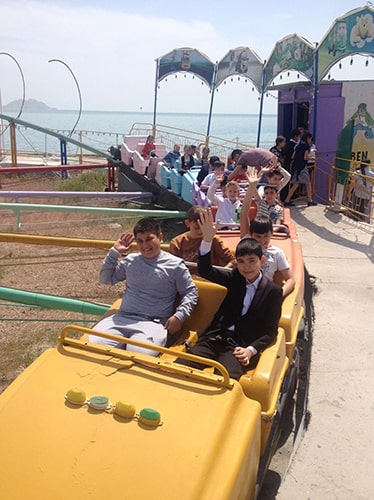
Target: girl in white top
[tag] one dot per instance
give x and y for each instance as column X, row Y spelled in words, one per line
column 227, row 206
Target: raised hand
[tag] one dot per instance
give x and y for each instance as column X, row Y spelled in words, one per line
column 207, row 225
column 254, row 177
column 123, row 244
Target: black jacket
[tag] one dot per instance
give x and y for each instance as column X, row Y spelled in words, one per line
column 259, row 326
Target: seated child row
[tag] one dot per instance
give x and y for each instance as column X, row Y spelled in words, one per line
column 187, row 246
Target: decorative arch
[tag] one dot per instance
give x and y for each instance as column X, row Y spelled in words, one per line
column 186, row 60
column 350, row 34
column 293, row 52
column 241, row 61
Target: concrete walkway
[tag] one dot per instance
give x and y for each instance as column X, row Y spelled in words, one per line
column 335, row 459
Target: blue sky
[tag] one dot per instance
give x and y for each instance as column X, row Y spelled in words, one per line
column 111, row 47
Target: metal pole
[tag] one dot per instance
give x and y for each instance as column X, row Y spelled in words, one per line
column 2, row 147
column 155, row 101
column 316, row 85
column 13, row 143
column 79, row 92
column 213, row 89
column 23, row 81
column 64, row 159
column 261, row 105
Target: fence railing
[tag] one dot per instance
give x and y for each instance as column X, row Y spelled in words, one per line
column 345, row 189
column 45, row 148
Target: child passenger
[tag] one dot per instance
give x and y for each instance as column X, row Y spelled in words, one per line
column 247, row 320
column 228, row 204
column 149, row 147
column 153, row 280
column 261, row 229
column 268, row 205
column 186, row 245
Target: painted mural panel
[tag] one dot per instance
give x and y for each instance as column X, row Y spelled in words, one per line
column 359, row 107
column 291, row 53
column 350, row 34
column 240, row 61
column 186, row 60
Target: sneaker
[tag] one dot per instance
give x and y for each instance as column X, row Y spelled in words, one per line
column 289, row 204
column 312, row 203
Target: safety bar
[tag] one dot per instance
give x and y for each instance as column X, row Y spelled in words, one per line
column 222, row 379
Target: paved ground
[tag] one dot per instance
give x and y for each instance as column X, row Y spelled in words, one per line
column 335, row 459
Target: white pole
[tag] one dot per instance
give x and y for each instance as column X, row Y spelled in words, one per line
column 2, row 148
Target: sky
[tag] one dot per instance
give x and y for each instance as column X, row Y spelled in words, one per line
column 110, row 47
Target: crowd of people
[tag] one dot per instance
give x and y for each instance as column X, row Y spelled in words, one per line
column 247, row 320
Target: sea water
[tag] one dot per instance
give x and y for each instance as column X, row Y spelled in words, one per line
column 108, row 127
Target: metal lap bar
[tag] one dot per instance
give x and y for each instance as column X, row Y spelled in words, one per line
column 222, row 379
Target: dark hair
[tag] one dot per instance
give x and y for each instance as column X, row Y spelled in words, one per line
column 295, row 132
column 235, row 152
column 147, row 225
column 248, row 246
column 270, row 186
column 218, row 164
column 305, row 136
column 279, row 139
column 193, row 213
column 213, row 159
column 261, row 225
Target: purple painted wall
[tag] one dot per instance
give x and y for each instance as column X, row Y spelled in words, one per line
column 297, row 101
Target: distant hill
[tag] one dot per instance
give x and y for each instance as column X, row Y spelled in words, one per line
column 29, row 105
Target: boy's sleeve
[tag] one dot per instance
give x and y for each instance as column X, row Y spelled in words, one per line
column 188, row 293
column 112, row 271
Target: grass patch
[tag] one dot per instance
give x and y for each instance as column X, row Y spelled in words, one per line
column 94, row 180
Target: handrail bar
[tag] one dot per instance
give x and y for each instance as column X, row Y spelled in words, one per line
column 222, row 379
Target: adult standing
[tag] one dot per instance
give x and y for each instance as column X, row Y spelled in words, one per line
column 277, row 149
column 256, row 157
column 300, row 174
column 289, row 148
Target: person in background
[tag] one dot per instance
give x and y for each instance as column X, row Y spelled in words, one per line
column 361, row 185
column 267, row 206
column 300, row 174
column 228, row 206
column 187, row 160
column 255, row 157
column 287, row 155
column 206, row 169
column 153, row 280
column 149, row 147
column 218, row 170
column 247, row 320
column 233, row 158
column 278, row 177
column 277, row 150
column 172, row 156
column 289, row 148
column 186, row 245
column 261, row 229
column 195, row 152
column 204, row 160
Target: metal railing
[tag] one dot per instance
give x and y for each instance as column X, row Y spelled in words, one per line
column 41, row 146
column 171, row 135
column 337, row 188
